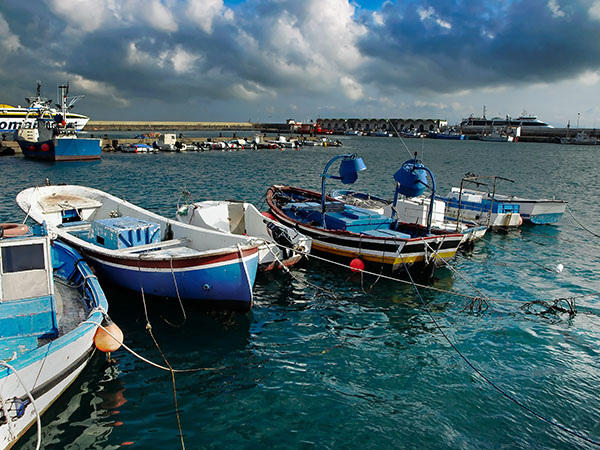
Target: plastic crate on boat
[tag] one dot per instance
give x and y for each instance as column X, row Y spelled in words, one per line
column 124, row 232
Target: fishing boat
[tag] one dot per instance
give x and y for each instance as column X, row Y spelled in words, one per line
column 413, row 210
column 352, row 233
column 447, row 134
column 483, row 208
column 580, row 138
column 281, row 245
column 51, row 310
column 542, row 211
column 53, row 139
column 139, row 250
column 137, row 148
column 14, row 118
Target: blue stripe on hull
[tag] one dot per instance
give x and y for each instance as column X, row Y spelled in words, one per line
column 543, row 219
column 223, row 283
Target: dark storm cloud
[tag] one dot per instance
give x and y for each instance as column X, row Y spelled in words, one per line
column 445, row 46
column 269, row 51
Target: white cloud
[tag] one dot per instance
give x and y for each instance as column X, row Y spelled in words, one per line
column 594, row 10
column 555, row 8
column 429, row 13
column 95, row 88
column 204, row 12
column 352, row 89
column 183, row 61
column 8, row 41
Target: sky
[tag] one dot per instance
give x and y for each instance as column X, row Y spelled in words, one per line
column 271, row 60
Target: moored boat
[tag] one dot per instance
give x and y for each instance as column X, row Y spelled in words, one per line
column 142, row 251
column 14, row 118
column 51, row 309
column 281, row 245
column 413, row 210
column 53, row 139
column 348, row 232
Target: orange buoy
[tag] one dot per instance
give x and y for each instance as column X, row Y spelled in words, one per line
column 357, row 265
column 104, row 341
column 13, row 229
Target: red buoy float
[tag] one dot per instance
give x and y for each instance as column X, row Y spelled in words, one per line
column 45, row 147
column 357, row 265
column 104, row 341
column 268, row 215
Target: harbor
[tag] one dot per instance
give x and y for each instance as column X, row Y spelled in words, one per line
column 323, row 336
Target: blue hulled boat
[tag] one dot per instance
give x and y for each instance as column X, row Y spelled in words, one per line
column 53, row 139
column 136, row 249
column 51, row 307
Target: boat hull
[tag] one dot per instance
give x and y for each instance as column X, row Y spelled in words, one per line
column 62, row 149
column 382, row 249
column 281, row 245
column 138, row 250
column 45, row 371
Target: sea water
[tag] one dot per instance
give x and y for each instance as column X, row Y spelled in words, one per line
column 330, row 359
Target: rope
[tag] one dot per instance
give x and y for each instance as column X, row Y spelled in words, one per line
column 308, row 283
column 149, row 329
column 580, row 224
column 490, row 382
column 178, row 298
column 37, row 414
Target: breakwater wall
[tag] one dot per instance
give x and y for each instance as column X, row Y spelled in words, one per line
column 169, row 126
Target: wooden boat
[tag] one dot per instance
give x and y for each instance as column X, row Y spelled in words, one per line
column 54, row 140
column 350, row 232
column 138, row 250
column 50, row 311
column 280, row 244
column 413, row 210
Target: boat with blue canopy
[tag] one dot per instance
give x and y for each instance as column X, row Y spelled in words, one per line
column 348, row 232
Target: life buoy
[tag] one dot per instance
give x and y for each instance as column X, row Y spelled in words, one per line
column 13, row 229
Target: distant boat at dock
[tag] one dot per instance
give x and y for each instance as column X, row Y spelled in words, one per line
column 15, row 118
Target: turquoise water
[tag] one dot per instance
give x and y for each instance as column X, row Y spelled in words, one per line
column 367, row 368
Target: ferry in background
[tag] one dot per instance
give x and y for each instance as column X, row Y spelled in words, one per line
column 15, row 118
column 478, row 124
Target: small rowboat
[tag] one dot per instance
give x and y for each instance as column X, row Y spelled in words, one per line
column 136, row 249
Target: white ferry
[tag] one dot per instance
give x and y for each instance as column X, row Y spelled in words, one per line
column 525, row 120
column 14, row 118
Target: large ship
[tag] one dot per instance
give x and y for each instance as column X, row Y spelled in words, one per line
column 479, row 124
column 15, row 118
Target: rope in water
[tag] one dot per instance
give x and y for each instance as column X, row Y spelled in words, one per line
column 580, row 224
column 149, row 329
column 490, row 382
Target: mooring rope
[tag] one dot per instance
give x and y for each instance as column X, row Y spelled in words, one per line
column 580, row 224
column 149, row 329
column 489, row 381
column 37, row 413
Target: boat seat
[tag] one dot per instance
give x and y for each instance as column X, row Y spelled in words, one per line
column 154, row 246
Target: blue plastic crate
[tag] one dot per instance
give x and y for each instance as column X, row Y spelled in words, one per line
column 123, row 232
